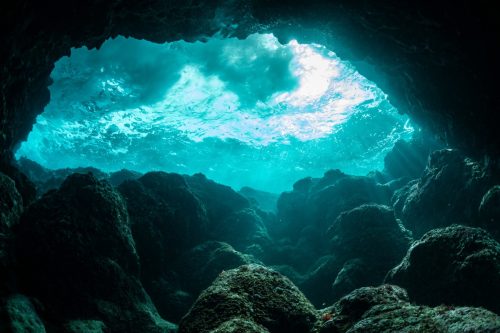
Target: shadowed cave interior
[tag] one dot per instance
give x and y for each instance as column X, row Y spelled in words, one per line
column 249, row 166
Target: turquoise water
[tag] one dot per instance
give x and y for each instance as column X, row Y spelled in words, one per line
column 247, row 112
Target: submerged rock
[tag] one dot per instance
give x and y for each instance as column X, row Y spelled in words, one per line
column 11, row 204
column 238, row 325
column 167, row 219
column 456, row 265
column 449, row 192
column 386, row 309
column 244, row 230
column 219, row 200
column 372, row 237
column 260, row 199
column 489, row 212
column 76, row 254
column 254, row 294
column 201, row 265
column 18, row 315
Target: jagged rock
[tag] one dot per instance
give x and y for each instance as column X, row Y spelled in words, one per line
column 260, row 199
column 253, row 293
column 11, row 204
column 449, row 192
column 167, row 219
column 201, row 265
column 76, row 254
column 118, row 177
column 372, row 235
column 18, row 315
column 411, row 318
column 489, row 212
column 353, row 274
column 244, row 230
column 84, row 326
column 456, row 265
column 409, row 158
column 237, row 325
column 386, row 309
column 219, row 200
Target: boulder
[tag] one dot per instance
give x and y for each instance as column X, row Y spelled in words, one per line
column 449, row 191
column 489, row 212
column 237, row 325
column 457, row 265
column 255, row 294
column 200, row 266
column 18, row 315
column 76, row 255
column 219, row 200
column 244, row 230
column 11, row 204
column 386, row 309
column 370, row 241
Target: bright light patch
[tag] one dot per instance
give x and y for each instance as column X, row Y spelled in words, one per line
column 244, row 112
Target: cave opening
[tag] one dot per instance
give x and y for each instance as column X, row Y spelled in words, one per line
column 245, row 112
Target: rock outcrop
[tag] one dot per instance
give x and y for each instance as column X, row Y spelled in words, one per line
column 456, row 265
column 253, row 294
column 76, row 255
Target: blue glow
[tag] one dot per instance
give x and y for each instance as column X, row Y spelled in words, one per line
column 247, row 112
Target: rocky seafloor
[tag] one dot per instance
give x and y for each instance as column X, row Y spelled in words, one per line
column 414, row 248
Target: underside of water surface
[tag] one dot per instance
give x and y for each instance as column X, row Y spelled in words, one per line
column 250, row 112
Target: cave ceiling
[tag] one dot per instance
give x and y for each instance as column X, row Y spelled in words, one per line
column 437, row 61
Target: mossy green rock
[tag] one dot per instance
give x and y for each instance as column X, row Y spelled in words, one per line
column 253, row 293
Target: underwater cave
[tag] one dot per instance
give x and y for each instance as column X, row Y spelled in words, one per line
column 249, row 166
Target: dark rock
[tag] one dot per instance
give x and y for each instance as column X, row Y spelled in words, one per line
column 11, row 204
column 346, row 194
column 369, row 233
column 238, row 325
column 353, row 274
column 47, row 179
column 412, row 318
column 220, row 201
column 456, row 265
column 18, row 315
column 409, row 158
column 167, row 219
column 449, row 192
column 489, row 212
column 252, row 293
column 24, row 186
column 317, row 283
column 386, row 309
column 84, row 326
column 76, row 254
column 200, row 266
column 118, row 177
column 260, row 199
column 244, row 230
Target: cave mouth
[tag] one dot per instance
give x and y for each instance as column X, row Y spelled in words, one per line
column 245, row 112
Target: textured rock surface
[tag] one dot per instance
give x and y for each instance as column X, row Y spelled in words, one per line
column 386, row 309
column 11, row 203
column 457, row 265
column 251, row 293
column 239, row 325
column 18, row 315
column 201, row 265
column 371, row 236
column 449, row 192
column 489, row 212
column 167, row 219
column 76, row 253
